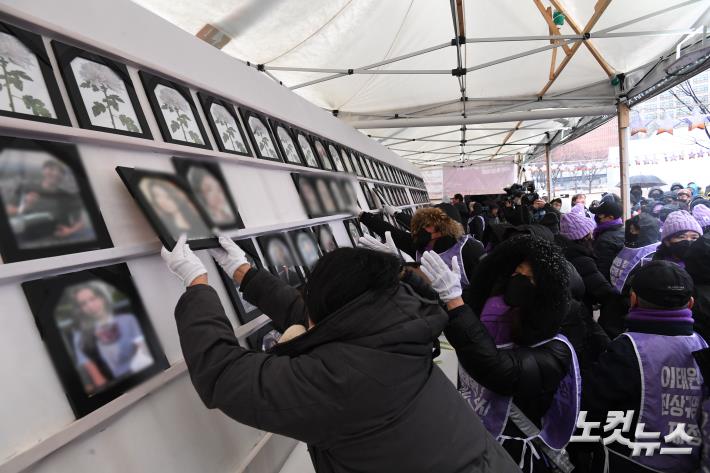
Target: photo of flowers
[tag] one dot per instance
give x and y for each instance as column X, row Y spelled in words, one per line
column 261, row 136
column 101, row 92
column 224, row 123
column 284, row 138
column 174, row 111
column 27, row 86
column 306, row 149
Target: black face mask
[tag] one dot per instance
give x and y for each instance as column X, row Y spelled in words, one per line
column 680, row 249
column 519, row 292
column 422, row 240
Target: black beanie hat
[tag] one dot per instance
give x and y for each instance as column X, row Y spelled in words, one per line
column 345, row 274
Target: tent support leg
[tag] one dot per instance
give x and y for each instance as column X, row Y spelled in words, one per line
column 548, row 163
column 623, row 121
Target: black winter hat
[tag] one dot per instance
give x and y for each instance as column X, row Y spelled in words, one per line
column 608, row 207
column 697, row 260
column 663, row 283
column 450, row 210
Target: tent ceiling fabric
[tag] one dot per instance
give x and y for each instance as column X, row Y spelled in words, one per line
column 338, row 35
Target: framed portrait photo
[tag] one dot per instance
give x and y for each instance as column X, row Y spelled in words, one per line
column 322, row 153
column 101, row 92
column 280, row 258
column 345, row 157
column 356, row 163
column 174, row 111
column 224, row 123
column 325, row 237
column 167, row 202
column 246, row 311
column 262, row 139
column 97, row 333
column 352, row 225
column 325, row 195
column 29, row 90
column 335, row 156
column 309, row 197
column 306, row 245
column 339, row 194
column 210, row 190
column 286, row 142
column 264, row 339
column 306, row 148
column 47, row 207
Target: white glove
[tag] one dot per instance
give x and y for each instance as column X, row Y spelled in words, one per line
column 388, row 246
column 389, row 210
column 230, row 256
column 182, row 262
column 443, row 280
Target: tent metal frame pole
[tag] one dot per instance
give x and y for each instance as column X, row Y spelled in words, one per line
column 486, row 118
column 548, row 161
column 623, row 123
column 646, row 17
column 512, row 57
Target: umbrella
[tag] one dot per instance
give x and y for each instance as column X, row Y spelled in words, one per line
column 645, row 180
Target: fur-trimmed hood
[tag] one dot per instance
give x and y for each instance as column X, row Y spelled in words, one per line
column 551, row 274
column 438, row 218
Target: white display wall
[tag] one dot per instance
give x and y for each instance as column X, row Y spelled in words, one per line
column 161, row 425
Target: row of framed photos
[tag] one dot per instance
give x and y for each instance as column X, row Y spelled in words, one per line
column 99, row 335
column 419, row 197
column 324, row 195
column 104, row 98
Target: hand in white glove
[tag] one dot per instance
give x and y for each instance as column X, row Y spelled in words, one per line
column 443, row 280
column 182, row 262
column 389, row 210
column 230, row 256
column 390, row 243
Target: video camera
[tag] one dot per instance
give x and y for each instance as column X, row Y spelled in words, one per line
column 525, row 191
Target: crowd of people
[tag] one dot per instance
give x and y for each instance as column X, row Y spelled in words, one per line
column 580, row 336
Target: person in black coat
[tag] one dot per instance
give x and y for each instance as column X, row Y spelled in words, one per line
column 506, row 338
column 697, row 263
column 476, row 224
column 660, row 313
column 460, row 205
column 359, row 386
column 608, row 235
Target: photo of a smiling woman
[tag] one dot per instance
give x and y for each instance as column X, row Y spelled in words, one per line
column 102, row 333
column 174, row 209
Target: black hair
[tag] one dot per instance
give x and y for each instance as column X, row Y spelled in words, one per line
column 458, row 197
column 345, row 274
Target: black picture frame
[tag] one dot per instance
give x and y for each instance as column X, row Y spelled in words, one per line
column 304, row 142
column 185, row 167
column 347, row 162
column 207, row 101
column 368, row 195
column 324, row 236
column 202, row 239
column 33, row 42
column 305, row 185
column 44, row 297
column 321, row 184
column 306, row 259
column 246, row 312
column 335, row 157
column 181, row 98
column 293, row 274
column 247, row 114
column 98, row 81
column 46, row 219
column 266, row 334
column 353, row 223
column 321, row 149
column 290, row 152
column 356, row 163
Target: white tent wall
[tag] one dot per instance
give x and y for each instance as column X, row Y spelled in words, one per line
column 161, row 425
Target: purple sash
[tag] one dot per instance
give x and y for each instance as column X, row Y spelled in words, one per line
column 626, row 261
column 449, row 254
column 672, row 393
column 558, row 423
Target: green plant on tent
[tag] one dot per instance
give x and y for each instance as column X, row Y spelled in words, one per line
column 102, row 80
column 176, row 104
column 229, row 135
column 14, row 60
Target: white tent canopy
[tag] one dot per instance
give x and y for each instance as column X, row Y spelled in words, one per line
column 461, row 57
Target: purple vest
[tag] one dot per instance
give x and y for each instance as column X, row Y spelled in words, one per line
column 449, row 254
column 558, row 423
column 627, row 260
column 671, row 393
